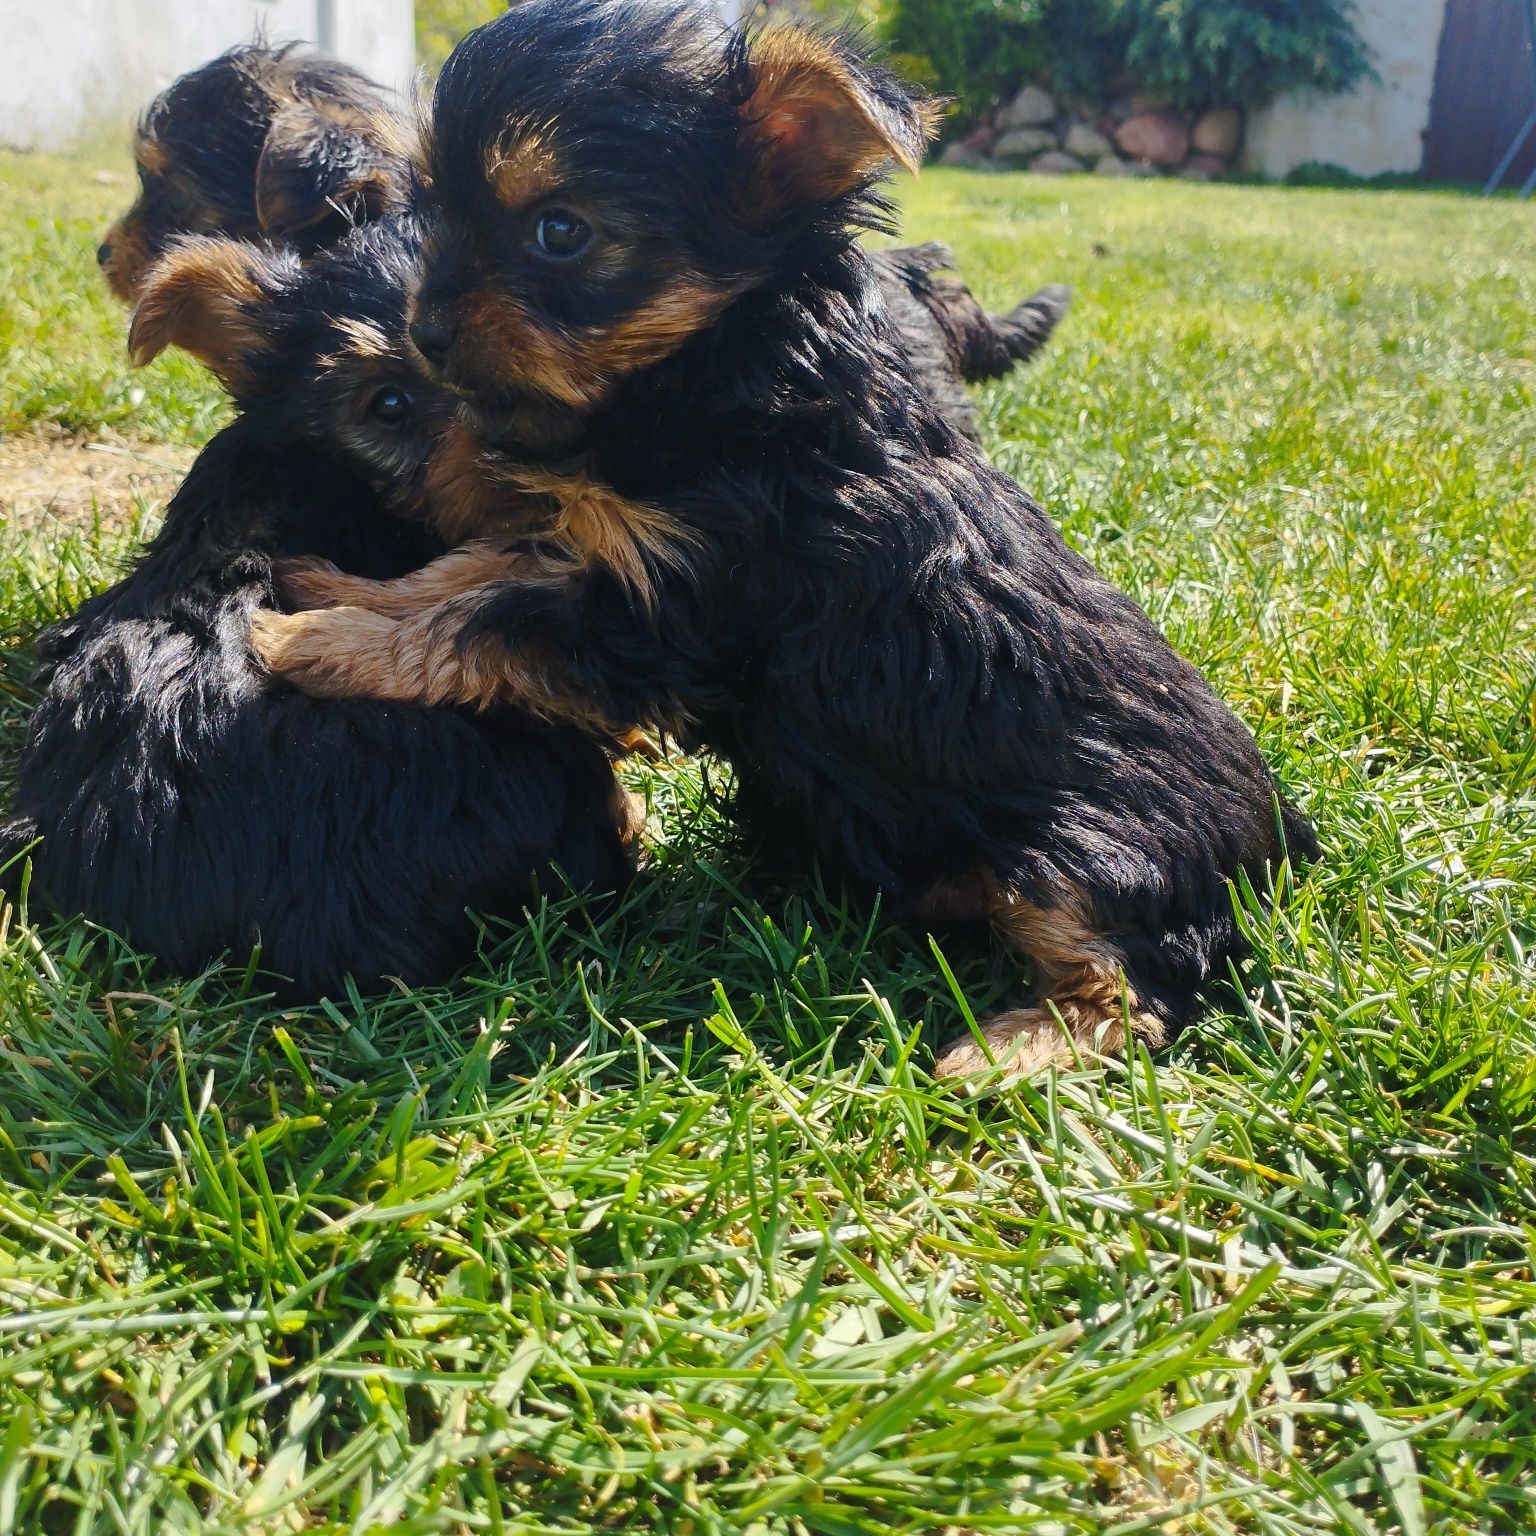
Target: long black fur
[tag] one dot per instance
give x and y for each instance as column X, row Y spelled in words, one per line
column 911, row 671
column 173, row 794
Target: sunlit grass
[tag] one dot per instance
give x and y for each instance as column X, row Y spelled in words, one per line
column 654, row 1221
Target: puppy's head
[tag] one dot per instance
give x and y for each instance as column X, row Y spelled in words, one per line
column 313, row 351
column 610, row 175
column 261, row 142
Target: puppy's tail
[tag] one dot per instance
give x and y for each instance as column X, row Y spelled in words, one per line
column 980, row 345
column 992, row 344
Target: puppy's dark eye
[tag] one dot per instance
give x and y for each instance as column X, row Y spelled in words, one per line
column 562, row 235
column 390, row 406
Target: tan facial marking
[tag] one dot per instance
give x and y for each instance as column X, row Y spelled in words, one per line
column 579, row 368
column 467, row 493
column 130, row 257
column 522, row 167
column 509, row 345
column 685, row 306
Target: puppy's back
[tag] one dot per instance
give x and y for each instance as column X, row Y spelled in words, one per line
column 186, row 803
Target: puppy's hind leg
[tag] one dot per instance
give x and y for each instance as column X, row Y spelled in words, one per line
column 1086, row 1007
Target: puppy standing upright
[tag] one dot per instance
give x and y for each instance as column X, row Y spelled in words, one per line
column 643, row 277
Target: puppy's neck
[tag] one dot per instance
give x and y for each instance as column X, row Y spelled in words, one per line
column 811, row 364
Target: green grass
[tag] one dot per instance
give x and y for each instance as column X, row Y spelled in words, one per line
column 656, row 1222
column 63, row 355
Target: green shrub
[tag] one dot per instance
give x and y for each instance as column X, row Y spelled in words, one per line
column 1197, row 53
column 1200, row 52
column 974, row 50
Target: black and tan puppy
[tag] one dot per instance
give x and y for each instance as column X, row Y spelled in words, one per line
column 275, row 143
column 171, row 794
column 643, row 276
column 286, row 145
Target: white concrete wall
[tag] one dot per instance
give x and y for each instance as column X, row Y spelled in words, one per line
column 72, row 69
column 1377, row 128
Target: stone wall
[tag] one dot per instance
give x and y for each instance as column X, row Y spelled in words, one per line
column 1130, row 135
column 79, row 69
column 1377, row 127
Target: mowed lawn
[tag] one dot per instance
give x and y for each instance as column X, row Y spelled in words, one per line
column 654, row 1221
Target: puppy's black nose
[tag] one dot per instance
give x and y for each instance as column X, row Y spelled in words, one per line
column 103, row 253
column 432, row 336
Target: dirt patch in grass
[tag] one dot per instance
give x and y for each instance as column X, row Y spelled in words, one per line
column 54, row 478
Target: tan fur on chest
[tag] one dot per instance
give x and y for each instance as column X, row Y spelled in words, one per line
column 472, row 494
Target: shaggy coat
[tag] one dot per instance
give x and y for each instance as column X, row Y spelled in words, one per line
column 642, row 275
column 169, row 792
column 273, row 143
column 284, row 145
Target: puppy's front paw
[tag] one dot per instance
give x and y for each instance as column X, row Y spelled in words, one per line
column 331, row 653
column 306, row 581
column 282, row 642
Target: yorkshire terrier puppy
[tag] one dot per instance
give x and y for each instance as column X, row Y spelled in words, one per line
column 287, row 146
column 274, row 143
column 642, row 278
column 169, row 793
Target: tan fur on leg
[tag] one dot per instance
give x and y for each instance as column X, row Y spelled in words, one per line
column 636, row 743
column 308, row 583
column 475, row 494
column 347, row 653
column 1024, row 1040
column 1080, row 979
column 629, row 814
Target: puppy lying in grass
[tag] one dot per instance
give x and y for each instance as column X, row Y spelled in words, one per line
column 288, row 146
column 643, row 281
column 169, row 793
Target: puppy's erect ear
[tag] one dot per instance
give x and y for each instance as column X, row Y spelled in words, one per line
column 819, row 121
column 314, row 167
column 206, row 297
